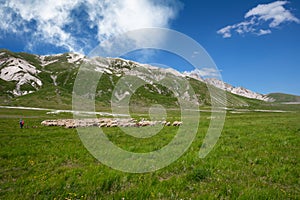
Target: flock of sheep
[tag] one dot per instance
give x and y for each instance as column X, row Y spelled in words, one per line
column 106, row 122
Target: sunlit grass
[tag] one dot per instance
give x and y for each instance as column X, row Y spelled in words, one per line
column 256, row 157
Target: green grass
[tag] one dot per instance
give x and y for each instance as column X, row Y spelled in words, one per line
column 60, row 96
column 280, row 97
column 256, row 157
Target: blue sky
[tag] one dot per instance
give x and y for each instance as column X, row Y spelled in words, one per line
column 255, row 44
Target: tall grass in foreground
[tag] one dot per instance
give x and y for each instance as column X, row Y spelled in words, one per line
column 256, row 157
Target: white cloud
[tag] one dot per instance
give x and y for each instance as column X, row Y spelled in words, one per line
column 45, row 19
column 264, row 32
column 226, row 31
column 272, row 14
column 240, row 28
column 133, row 14
column 202, row 73
column 77, row 24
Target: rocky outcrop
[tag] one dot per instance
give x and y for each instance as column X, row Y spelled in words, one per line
column 238, row 90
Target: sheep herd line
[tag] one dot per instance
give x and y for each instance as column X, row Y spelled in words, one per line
column 107, row 122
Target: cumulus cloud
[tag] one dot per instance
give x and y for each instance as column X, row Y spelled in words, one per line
column 202, row 73
column 264, row 32
column 272, row 15
column 78, row 25
column 275, row 12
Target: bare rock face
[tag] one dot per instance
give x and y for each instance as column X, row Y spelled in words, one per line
column 20, row 71
column 238, row 90
column 106, row 122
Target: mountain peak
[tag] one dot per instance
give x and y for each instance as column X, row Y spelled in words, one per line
column 22, row 74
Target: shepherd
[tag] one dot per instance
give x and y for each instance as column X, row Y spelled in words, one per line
column 21, row 123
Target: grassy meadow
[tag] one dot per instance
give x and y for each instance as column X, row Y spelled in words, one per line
column 256, row 157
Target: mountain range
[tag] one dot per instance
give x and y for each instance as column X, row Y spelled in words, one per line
column 48, row 80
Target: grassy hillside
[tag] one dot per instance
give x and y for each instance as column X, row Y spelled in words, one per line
column 58, row 76
column 280, row 97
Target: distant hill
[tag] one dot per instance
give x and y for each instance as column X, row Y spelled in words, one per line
column 281, row 97
column 48, row 80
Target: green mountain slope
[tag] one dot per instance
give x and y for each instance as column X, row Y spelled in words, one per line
column 47, row 81
column 280, row 97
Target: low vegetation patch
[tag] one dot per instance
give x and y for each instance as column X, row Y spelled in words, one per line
column 256, row 157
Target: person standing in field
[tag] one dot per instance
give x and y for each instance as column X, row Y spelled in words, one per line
column 21, row 123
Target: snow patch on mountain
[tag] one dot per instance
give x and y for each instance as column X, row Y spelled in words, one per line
column 237, row 90
column 218, row 83
column 121, row 96
column 174, row 72
column 54, row 77
column 195, row 74
column 75, row 58
column 103, row 70
column 19, row 70
column 46, row 62
column 15, row 69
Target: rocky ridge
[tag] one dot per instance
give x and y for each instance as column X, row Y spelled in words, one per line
column 26, row 74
